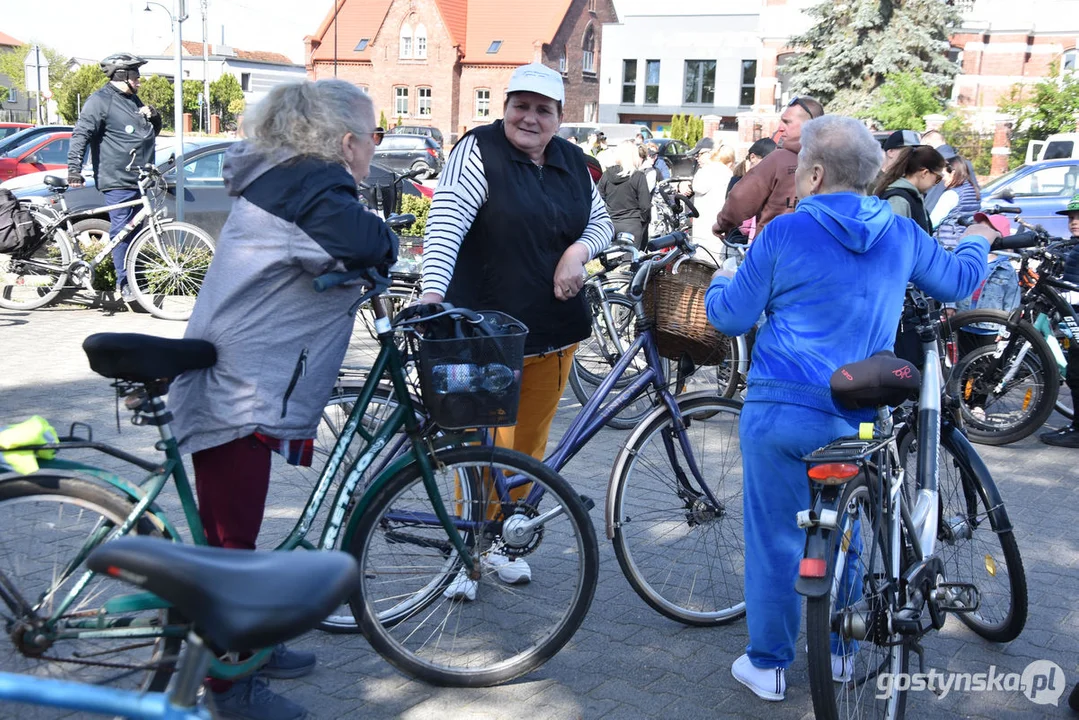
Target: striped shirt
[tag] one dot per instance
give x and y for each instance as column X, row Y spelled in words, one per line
column 461, row 192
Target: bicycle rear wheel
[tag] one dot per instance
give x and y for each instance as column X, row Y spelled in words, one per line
column 30, row 280
column 49, row 520
column 407, row 564
column 850, row 622
column 973, row 549
column 1007, row 378
column 681, row 552
column 166, row 276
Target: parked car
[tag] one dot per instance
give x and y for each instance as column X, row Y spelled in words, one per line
column 1055, row 147
column 410, row 152
column 431, row 132
column 42, row 152
column 22, row 136
column 615, row 132
column 7, row 129
column 206, row 203
column 163, row 150
column 1040, row 189
column 676, row 153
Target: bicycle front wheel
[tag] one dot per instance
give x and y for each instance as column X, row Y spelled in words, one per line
column 166, row 273
column 492, row 631
column 1007, row 378
column 51, row 522
column 680, row 543
column 973, row 550
column 33, row 279
column 847, row 631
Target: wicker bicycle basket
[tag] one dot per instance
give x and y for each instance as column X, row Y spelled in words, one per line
column 674, row 301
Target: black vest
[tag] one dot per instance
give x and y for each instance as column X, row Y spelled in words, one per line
column 917, row 206
column 532, row 214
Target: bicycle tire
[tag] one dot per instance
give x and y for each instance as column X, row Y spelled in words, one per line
column 997, row 417
column 409, row 621
column 69, row 506
column 973, row 549
column 45, row 269
column 167, row 289
column 824, row 626
column 665, row 567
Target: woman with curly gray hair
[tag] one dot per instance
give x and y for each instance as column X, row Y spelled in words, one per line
column 296, row 215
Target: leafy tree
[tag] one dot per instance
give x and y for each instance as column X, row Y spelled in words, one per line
column 854, row 45
column 156, row 90
column 12, row 65
column 191, row 90
column 80, row 86
column 903, row 101
column 1047, row 107
column 225, row 93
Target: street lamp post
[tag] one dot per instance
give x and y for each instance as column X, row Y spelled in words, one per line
column 177, row 21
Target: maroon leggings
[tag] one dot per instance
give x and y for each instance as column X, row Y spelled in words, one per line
column 231, row 481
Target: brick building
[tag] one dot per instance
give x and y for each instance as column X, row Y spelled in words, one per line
column 447, row 63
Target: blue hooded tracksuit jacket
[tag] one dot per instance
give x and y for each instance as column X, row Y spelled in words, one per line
column 830, row 279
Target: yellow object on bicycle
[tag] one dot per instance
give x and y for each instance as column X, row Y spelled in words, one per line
column 35, row 431
column 865, row 431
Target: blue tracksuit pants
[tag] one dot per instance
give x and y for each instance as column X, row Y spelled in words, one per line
column 774, row 437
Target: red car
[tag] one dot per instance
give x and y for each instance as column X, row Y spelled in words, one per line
column 46, row 152
column 7, row 129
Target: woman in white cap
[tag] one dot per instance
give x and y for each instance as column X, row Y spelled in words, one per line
column 514, row 219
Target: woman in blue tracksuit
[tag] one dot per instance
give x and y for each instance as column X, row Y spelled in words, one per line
column 830, row 278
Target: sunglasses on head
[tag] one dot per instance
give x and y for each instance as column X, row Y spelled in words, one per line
column 801, row 103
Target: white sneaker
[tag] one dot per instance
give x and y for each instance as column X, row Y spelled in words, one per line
column 842, row 668
column 511, row 572
column 462, row 587
column 766, row 683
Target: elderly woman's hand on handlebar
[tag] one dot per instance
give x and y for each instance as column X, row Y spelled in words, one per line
column 569, row 275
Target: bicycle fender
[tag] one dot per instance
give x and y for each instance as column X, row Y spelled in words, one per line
column 367, row 493
column 154, row 512
column 974, row 467
column 819, row 547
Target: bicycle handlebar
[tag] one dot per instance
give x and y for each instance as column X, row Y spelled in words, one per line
column 375, row 279
column 1027, row 239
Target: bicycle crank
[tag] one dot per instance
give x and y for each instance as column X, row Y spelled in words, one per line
column 957, row 597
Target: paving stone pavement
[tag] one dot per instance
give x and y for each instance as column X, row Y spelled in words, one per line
column 626, row 661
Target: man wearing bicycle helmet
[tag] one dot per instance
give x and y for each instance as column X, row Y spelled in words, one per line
column 1068, row 436
column 113, row 123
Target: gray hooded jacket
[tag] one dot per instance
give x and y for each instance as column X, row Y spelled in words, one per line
column 279, row 343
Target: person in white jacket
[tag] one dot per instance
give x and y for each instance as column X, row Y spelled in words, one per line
column 709, row 192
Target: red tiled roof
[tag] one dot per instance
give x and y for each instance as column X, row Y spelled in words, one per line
column 195, row 48
column 356, row 21
column 9, row 41
column 535, row 21
column 472, row 24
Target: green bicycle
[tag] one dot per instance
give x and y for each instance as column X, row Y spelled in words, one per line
column 414, row 517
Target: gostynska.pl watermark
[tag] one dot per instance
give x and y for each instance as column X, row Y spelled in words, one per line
column 1042, row 682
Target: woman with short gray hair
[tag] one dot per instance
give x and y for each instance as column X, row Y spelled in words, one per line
column 279, row 344
column 830, row 279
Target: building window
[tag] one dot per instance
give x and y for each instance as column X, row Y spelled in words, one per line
column 651, row 82
column 588, row 47
column 749, row 82
column 421, row 42
column 494, row 47
column 629, row 81
column 1069, row 61
column 589, row 112
column 483, row 103
column 400, row 101
column 406, row 42
column 700, row 88
column 562, row 66
column 591, row 5
column 13, row 95
column 362, row 44
column 423, row 102
column 245, row 82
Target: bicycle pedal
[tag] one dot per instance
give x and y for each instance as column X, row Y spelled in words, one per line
column 958, row 597
column 588, row 502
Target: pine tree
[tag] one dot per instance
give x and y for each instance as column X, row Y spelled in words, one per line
column 382, row 123
column 678, row 131
column 855, row 44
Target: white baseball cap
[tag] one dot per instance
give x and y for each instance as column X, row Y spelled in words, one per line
column 537, row 78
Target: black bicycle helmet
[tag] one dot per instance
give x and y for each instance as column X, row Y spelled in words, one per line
column 117, row 66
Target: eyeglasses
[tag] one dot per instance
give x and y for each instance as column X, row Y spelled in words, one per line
column 376, row 135
column 801, row 103
column 938, row 174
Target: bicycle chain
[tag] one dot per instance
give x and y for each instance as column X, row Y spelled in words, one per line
column 102, row 663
